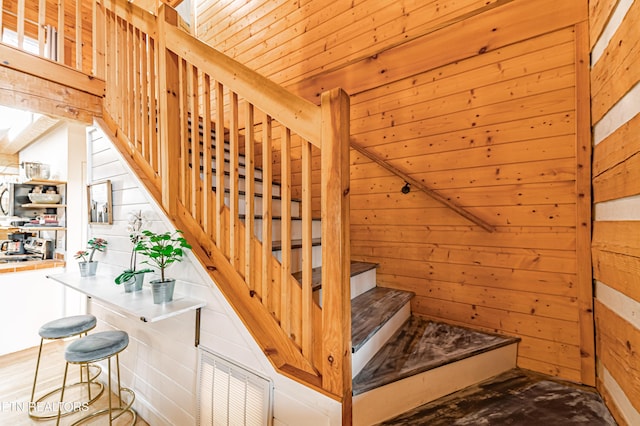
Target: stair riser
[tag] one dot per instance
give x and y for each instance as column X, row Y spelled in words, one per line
column 373, row 345
column 361, row 282
column 275, row 189
column 398, row 397
column 276, row 205
column 296, row 229
column 241, row 169
column 296, row 257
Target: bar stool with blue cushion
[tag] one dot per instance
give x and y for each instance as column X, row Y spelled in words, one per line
column 98, row 347
column 62, row 328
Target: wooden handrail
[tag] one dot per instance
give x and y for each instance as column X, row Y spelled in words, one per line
column 422, row 187
column 179, row 111
column 291, row 110
column 205, row 112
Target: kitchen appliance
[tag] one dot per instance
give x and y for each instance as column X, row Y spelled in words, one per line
column 11, row 247
column 13, row 196
column 33, row 248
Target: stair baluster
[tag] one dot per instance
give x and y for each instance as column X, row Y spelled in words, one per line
column 205, row 113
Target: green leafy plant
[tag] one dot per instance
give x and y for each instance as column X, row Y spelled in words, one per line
column 162, row 250
column 93, row 245
column 135, row 223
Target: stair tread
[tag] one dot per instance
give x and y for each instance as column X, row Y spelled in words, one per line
column 357, row 267
column 295, row 244
column 372, row 309
column 421, row 345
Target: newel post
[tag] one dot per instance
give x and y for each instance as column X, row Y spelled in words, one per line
column 168, row 111
column 336, row 264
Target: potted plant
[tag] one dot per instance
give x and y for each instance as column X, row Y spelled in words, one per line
column 162, row 250
column 131, row 277
column 87, row 265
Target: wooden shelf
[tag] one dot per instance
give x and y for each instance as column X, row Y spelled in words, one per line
column 44, row 182
column 42, row 206
column 137, row 305
column 42, row 228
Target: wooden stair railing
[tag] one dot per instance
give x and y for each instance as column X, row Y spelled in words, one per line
column 158, row 80
column 424, row 188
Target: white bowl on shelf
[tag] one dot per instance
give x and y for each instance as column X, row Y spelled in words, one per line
column 45, row 198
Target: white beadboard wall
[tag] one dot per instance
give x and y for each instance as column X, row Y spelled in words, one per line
column 623, row 209
column 160, row 362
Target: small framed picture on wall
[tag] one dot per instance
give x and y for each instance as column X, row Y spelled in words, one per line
column 100, row 204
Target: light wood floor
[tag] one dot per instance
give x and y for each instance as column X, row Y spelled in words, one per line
column 16, row 380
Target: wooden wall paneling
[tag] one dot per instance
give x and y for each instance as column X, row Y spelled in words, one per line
column 512, row 110
column 434, row 216
column 599, row 13
column 525, row 194
column 538, row 172
column 617, row 270
column 618, row 147
column 620, row 181
column 435, row 103
column 514, row 22
column 535, row 215
column 617, row 236
column 616, row 256
column 534, row 304
column 521, row 237
column 524, row 258
column 228, row 30
column 539, row 282
column 583, row 205
column 495, row 155
column 537, row 54
column 615, row 163
column 509, row 322
column 617, row 72
column 538, row 127
column 557, row 354
column 535, row 172
column 546, row 367
column 618, row 351
column 340, row 41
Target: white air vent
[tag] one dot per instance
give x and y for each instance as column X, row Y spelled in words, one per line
column 229, row 394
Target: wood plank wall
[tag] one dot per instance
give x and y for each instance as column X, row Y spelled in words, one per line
column 615, row 88
column 480, row 100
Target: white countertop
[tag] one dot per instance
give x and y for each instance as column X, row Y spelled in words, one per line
column 138, row 304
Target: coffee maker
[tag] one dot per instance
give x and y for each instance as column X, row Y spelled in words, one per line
column 15, row 243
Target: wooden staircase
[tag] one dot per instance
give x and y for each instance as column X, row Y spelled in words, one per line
column 399, row 361
column 253, row 218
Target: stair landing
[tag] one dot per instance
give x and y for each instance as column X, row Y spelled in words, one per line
column 517, row 397
column 423, row 345
column 424, row 361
